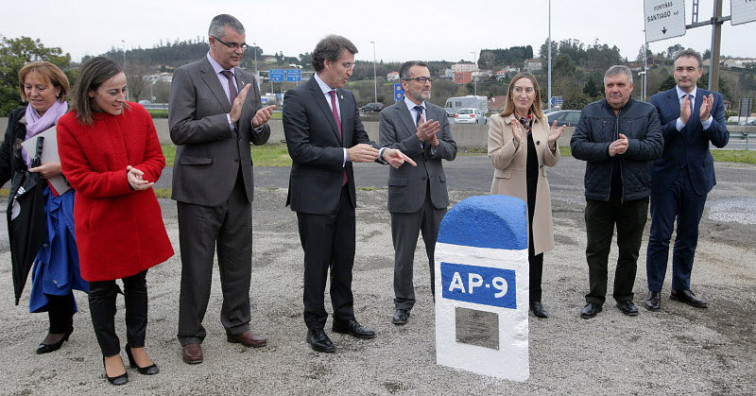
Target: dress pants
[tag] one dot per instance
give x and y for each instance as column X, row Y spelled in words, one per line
column 680, row 202
column 405, row 228
column 200, row 228
column 102, row 307
column 328, row 242
column 600, row 220
column 60, row 311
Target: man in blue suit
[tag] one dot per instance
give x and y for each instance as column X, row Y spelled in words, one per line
column 682, row 177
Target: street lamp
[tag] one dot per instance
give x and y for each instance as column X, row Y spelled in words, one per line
column 549, row 44
column 375, row 79
column 124, row 64
column 254, row 49
column 475, row 78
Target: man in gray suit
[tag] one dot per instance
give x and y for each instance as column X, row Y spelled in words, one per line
column 212, row 122
column 417, row 195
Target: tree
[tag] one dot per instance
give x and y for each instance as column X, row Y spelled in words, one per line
column 674, row 49
column 592, row 89
column 667, row 84
column 14, row 53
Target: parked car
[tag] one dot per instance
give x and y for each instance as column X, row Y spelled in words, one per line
column 564, row 117
column 373, row 106
column 470, row 116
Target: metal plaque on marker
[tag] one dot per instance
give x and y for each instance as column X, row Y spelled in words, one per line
column 479, row 328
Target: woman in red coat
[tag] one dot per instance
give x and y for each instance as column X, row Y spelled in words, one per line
column 110, row 153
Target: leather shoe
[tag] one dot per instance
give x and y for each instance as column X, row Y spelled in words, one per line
column 353, row 328
column 688, row 297
column 538, row 310
column 653, row 301
column 590, row 310
column 627, row 307
column 401, row 316
column 319, row 341
column 192, row 354
column 47, row 348
column 248, row 339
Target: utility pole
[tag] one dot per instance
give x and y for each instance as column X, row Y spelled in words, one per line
column 548, row 42
column 716, row 42
column 375, row 79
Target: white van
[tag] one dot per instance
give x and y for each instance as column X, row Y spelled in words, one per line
column 455, row 103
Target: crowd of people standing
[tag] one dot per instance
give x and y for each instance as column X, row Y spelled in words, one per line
column 107, row 224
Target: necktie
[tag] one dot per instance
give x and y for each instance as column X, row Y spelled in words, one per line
column 338, row 124
column 335, row 110
column 231, row 84
column 419, row 117
column 418, row 120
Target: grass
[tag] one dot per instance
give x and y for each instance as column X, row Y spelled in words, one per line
column 741, row 156
column 158, row 113
column 737, row 156
column 275, row 155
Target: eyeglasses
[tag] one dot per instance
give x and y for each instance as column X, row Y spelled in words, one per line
column 234, row 46
column 421, row 80
column 348, row 65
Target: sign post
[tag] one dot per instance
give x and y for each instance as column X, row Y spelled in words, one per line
column 398, row 92
column 481, row 283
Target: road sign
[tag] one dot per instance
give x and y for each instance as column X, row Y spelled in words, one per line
column 664, row 19
column 294, row 75
column 398, row 92
column 277, row 75
column 557, row 100
column 743, row 11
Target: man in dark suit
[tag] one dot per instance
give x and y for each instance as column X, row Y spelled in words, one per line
column 324, row 136
column 691, row 118
column 212, row 122
column 418, row 196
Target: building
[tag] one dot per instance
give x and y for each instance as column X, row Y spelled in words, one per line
column 532, row 65
column 497, row 103
column 393, row 76
column 462, row 77
column 464, row 67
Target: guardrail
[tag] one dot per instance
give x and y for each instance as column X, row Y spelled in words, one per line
column 747, row 136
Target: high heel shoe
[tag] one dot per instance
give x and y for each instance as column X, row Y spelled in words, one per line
column 117, row 380
column 149, row 370
column 47, row 348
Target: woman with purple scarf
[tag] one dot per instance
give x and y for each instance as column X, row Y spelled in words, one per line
column 56, row 266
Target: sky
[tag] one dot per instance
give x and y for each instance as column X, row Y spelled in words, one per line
column 401, row 30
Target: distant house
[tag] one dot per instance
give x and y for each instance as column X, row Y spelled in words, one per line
column 481, row 74
column 464, row 67
column 497, row 103
column 269, row 58
column 532, row 65
column 447, row 73
column 506, row 71
column 462, row 77
column 393, row 76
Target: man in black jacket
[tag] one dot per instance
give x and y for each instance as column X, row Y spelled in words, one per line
column 619, row 138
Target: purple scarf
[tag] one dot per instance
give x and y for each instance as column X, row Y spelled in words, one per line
column 36, row 123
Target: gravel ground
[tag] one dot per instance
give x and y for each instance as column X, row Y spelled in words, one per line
column 680, row 350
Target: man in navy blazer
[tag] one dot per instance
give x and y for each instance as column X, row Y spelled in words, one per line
column 324, row 135
column 691, row 117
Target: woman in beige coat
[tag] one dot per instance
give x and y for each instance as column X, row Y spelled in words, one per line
column 520, row 143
